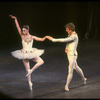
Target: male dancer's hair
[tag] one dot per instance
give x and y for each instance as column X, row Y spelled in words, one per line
column 71, row 26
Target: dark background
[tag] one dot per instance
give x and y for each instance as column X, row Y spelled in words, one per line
column 48, row 18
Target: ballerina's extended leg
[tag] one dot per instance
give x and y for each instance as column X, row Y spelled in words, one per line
column 39, row 63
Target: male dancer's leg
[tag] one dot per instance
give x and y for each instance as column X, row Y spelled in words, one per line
column 79, row 71
column 71, row 60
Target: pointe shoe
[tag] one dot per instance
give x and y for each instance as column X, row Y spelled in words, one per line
column 85, row 81
column 30, row 85
column 66, row 88
column 29, row 72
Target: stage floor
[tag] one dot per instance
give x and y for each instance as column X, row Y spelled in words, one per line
column 50, row 78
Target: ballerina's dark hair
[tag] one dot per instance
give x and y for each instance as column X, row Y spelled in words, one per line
column 26, row 27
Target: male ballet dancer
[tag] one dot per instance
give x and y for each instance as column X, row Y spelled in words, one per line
column 70, row 50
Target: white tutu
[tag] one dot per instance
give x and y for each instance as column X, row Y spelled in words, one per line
column 27, row 54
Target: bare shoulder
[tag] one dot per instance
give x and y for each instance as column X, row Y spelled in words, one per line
column 33, row 36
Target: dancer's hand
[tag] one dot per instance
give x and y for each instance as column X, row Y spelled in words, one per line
column 49, row 37
column 66, row 51
column 44, row 38
column 13, row 17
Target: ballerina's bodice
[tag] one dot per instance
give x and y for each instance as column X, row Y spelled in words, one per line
column 27, row 52
column 27, row 43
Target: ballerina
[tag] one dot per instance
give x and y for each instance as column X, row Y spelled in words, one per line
column 28, row 52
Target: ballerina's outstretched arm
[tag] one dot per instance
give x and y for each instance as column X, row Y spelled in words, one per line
column 38, row 38
column 16, row 22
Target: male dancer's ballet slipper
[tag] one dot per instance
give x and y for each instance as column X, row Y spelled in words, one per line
column 85, row 81
column 66, row 88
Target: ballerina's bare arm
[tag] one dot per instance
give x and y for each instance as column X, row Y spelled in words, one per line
column 38, row 38
column 16, row 22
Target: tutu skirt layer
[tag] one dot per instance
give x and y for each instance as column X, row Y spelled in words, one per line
column 27, row 54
